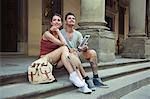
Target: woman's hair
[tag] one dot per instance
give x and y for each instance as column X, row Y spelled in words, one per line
column 56, row 14
column 69, row 13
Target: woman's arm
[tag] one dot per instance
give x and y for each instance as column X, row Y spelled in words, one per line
column 61, row 37
column 48, row 36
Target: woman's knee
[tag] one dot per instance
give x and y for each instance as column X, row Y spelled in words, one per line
column 64, row 48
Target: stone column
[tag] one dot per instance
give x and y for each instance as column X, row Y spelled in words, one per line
column 148, row 14
column 34, row 26
column 93, row 22
column 137, row 45
column 0, row 21
column 137, row 18
column 93, row 12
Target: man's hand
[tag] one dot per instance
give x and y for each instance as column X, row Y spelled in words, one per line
column 84, row 48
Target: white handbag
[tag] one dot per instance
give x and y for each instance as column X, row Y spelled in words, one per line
column 40, row 71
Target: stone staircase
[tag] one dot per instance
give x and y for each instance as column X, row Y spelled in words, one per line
column 122, row 76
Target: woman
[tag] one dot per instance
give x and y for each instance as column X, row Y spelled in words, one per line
column 54, row 49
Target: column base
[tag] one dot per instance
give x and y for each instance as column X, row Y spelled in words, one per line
column 136, row 47
column 103, row 42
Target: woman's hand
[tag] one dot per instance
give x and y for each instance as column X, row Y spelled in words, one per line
column 72, row 50
column 54, row 29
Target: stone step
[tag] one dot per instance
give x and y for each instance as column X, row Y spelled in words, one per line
column 18, row 72
column 23, row 77
column 117, row 88
column 141, row 93
column 27, row 90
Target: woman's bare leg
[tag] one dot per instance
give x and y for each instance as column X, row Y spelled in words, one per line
column 63, row 53
column 59, row 64
column 81, row 71
column 60, row 53
column 77, row 63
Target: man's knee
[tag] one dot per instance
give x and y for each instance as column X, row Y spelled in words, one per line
column 93, row 53
column 90, row 54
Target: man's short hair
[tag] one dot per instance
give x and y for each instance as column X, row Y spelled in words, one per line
column 69, row 13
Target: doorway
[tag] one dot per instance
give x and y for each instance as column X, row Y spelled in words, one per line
column 9, row 25
column 13, row 32
column 121, row 29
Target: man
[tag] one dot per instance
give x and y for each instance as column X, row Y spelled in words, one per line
column 74, row 37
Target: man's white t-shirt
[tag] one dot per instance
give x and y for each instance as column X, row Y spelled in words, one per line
column 75, row 40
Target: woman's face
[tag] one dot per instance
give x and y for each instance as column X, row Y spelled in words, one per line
column 56, row 21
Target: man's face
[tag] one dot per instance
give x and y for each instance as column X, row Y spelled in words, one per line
column 70, row 20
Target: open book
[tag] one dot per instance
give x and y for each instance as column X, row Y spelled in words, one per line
column 84, row 41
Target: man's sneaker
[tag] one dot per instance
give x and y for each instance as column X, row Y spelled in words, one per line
column 98, row 83
column 85, row 89
column 90, row 84
column 76, row 80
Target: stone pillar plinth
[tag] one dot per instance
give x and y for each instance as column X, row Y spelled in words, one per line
column 93, row 22
column 137, row 44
